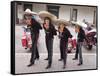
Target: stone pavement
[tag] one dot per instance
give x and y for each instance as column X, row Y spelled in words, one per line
column 22, row 60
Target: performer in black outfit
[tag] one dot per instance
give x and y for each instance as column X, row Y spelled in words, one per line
column 80, row 39
column 37, row 53
column 34, row 27
column 64, row 34
column 50, row 31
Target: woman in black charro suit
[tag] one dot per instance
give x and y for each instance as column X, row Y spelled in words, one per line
column 50, row 31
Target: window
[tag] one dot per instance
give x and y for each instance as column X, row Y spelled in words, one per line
column 53, row 9
column 74, row 15
column 27, row 6
column 94, row 18
column 19, row 3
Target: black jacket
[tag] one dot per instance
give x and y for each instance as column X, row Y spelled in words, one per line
column 50, row 32
column 81, row 35
column 65, row 34
column 35, row 27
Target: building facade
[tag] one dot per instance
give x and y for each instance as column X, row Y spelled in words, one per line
column 67, row 12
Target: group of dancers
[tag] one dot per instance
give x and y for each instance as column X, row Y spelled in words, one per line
column 50, row 32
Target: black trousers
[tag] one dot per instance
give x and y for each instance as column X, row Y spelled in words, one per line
column 79, row 52
column 34, row 50
column 63, row 50
column 37, row 53
column 49, row 46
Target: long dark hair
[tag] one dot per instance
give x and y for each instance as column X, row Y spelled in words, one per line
column 81, row 29
column 47, row 18
column 33, row 21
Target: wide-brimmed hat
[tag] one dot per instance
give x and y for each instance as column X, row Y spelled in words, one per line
column 43, row 14
column 28, row 11
column 33, row 13
column 79, row 24
column 61, row 21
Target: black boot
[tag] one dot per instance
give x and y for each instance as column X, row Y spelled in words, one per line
column 60, row 59
column 48, row 67
column 64, row 66
column 46, row 59
column 79, row 64
column 30, row 64
column 75, row 58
